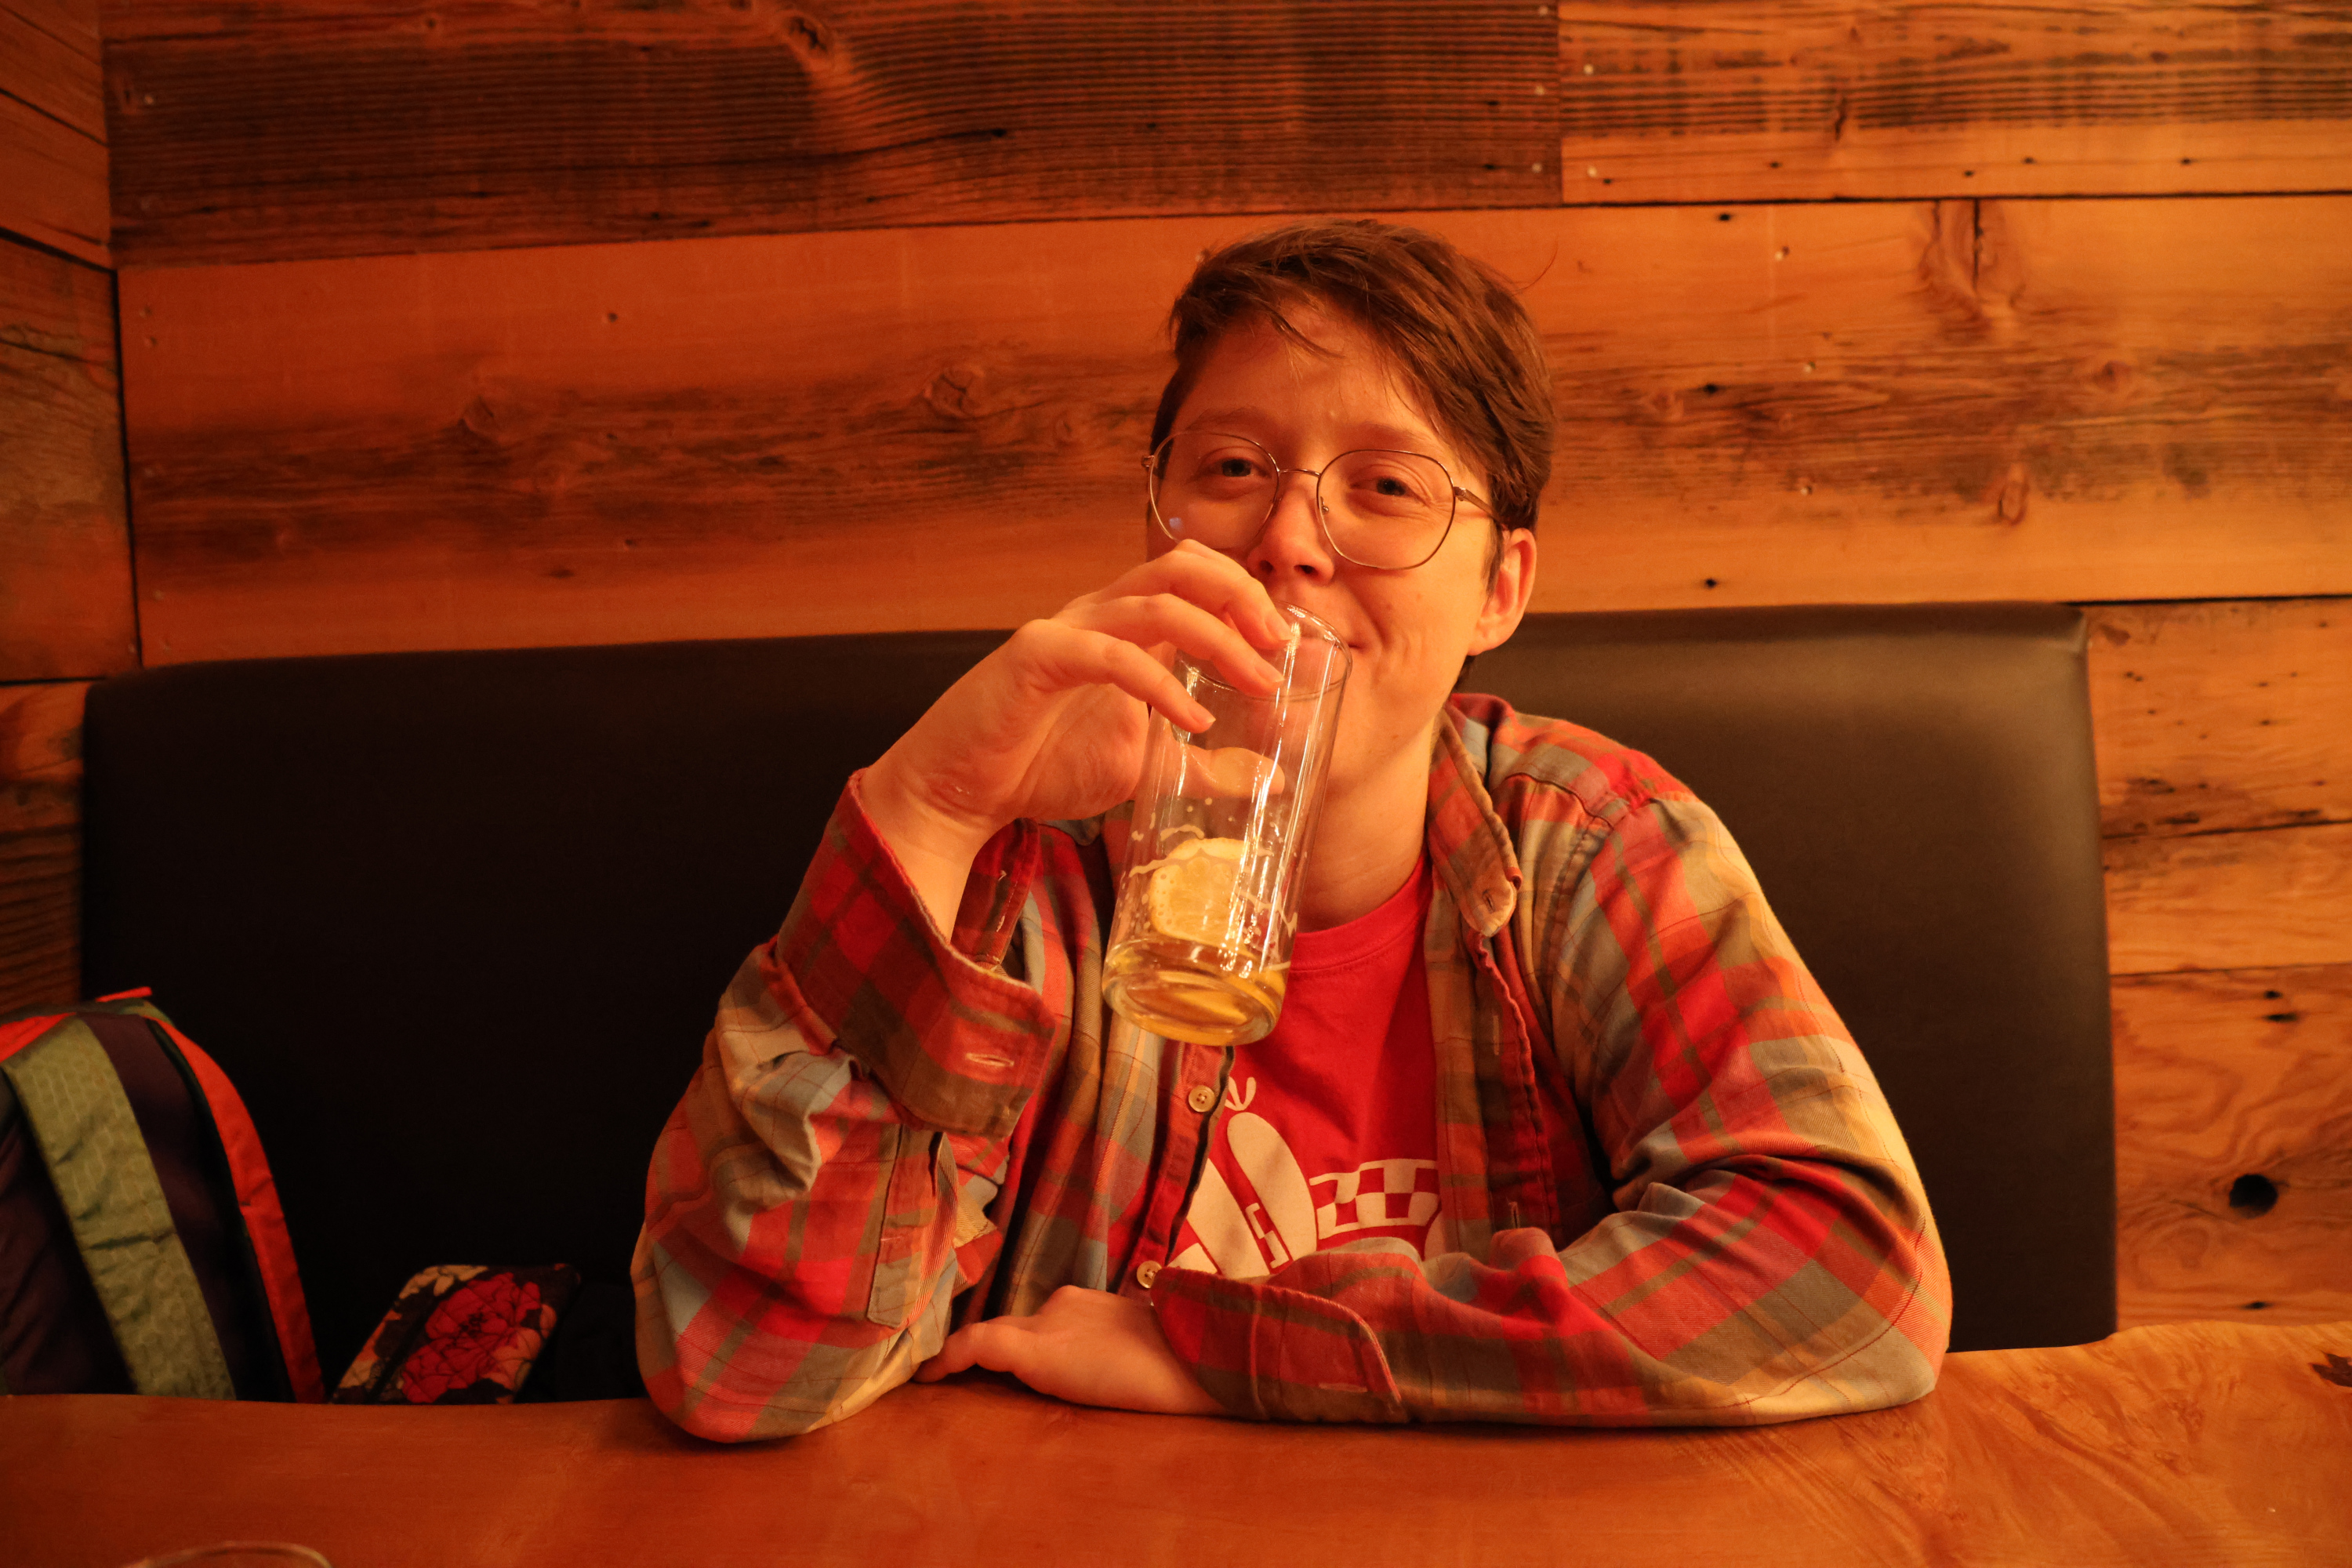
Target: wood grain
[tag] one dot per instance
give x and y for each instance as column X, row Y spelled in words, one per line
column 2225, row 1082
column 56, row 190
column 314, row 129
column 2230, row 900
column 1697, row 100
column 49, row 61
column 936, row 427
column 2214, row 716
column 65, row 547
column 40, row 844
column 2195, row 1444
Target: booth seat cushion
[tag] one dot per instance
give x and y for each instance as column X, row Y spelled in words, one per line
column 456, row 922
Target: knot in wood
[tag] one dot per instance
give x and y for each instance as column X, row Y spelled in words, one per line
column 479, row 419
column 2013, row 495
column 960, row 392
column 813, row 40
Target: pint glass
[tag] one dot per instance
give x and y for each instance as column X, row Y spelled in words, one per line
column 1199, row 943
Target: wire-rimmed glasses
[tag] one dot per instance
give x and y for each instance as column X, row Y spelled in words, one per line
column 1378, row 508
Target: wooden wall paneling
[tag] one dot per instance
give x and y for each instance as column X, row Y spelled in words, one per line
column 1697, row 101
column 2217, row 716
column 53, row 126
column 50, row 60
column 65, row 548
column 936, row 426
column 2041, row 399
column 2230, row 900
column 56, row 189
column 814, row 433
column 2234, row 1145
column 2222, row 733
column 311, row 129
column 40, row 844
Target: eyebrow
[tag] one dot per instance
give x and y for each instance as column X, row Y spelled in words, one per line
column 1396, row 438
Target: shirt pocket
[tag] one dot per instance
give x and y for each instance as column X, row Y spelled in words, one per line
column 916, row 1226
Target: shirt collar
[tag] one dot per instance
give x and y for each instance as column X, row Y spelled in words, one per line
column 1467, row 841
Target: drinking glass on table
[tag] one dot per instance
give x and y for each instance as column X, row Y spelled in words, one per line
column 1199, row 943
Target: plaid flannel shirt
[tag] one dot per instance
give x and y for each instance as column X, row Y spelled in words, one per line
column 891, row 1132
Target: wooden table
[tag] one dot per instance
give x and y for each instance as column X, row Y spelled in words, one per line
column 2188, row 1444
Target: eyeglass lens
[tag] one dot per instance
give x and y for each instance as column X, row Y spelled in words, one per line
column 1380, row 508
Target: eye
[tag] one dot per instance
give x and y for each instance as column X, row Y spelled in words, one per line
column 1223, row 461
column 1393, row 479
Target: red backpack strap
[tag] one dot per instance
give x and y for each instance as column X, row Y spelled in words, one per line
column 265, row 1220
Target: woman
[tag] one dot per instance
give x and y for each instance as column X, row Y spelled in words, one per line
column 1554, row 1126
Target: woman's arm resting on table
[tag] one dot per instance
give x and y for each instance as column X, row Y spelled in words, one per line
column 1772, row 1255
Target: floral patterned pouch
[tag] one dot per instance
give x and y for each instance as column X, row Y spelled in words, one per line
column 459, row 1334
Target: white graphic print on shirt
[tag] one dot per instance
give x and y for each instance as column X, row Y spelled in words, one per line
column 1283, row 1214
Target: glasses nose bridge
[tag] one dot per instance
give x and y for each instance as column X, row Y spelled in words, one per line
column 1317, row 511
column 1315, row 492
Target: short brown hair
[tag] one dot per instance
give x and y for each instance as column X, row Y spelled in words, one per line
column 1450, row 325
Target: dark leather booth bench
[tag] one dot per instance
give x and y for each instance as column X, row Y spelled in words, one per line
column 456, row 922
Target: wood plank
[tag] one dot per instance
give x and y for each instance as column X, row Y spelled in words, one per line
column 65, row 548
column 50, row 60
column 320, row 128
column 1697, row 100
column 2230, row 900
column 40, row 844
column 2187, row 1446
column 936, row 427
column 56, row 191
column 2230, row 715
column 2234, row 1145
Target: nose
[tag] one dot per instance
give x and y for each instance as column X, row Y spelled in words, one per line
column 1292, row 542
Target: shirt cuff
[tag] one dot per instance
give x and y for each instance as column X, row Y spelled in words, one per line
column 1271, row 1353
column 957, row 1043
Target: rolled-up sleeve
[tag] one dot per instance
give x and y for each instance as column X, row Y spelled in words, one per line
column 817, row 1198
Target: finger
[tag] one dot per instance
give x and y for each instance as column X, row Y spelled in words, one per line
column 952, row 1357
column 1216, row 582
column 959, row 1354
column 1063, row 656
column 1169, row 618
column 1000, row 1344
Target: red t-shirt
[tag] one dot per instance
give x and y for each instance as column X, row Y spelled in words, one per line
column 1330, row 1135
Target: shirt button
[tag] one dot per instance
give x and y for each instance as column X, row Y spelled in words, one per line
column 1145, row 1273
column 1200, row 1099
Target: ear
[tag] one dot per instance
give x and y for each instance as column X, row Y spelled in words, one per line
column 1507, row 599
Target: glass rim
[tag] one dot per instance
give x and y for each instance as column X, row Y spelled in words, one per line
column 1338, row 669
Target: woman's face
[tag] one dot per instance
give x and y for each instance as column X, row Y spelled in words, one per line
column 1409, row 630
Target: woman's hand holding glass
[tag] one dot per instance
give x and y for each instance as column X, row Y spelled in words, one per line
column 1051, row 725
